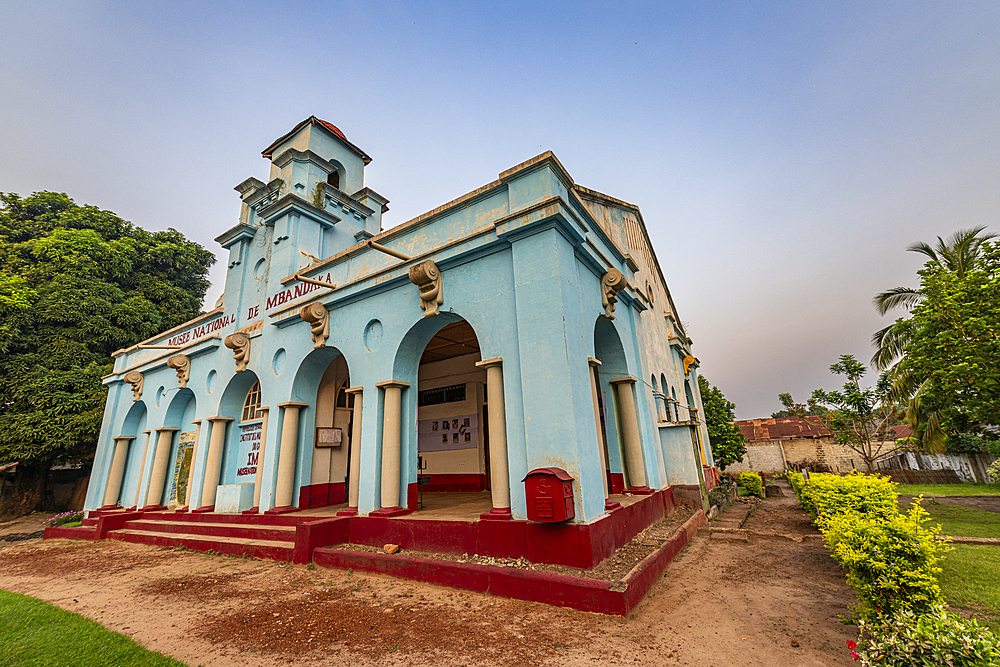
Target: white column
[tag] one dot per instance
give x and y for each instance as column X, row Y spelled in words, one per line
column 161, row 461
column 594, row 363
column 630, row 431
column 260, row 457
column 117, row 473
column 142, row 469
column 286, row 454
column 499, row 475
column 354, row 476
column 391, row 442
column 213, row 462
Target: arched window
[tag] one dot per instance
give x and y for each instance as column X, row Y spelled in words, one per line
column 251, row 406
column 334, row 179
column 345, row 400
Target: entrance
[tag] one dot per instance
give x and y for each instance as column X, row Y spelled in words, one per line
column 328, row 479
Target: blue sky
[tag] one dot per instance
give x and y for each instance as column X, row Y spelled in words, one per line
column 783, row 154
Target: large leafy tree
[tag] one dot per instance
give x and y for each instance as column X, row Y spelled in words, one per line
column 860, row 417
column 954, row 342
column 728, row 443
column 76, row 284
column 957, row 255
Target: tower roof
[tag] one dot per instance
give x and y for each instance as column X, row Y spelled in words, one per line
column 330, row 127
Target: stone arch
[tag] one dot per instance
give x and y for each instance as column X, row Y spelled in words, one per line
column 180, row 413
column 667, row 404
column 237, row 449
column 609, row 350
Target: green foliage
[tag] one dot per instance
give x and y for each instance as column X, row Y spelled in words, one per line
column 752, row 483
column 728, row 443
column 793, row 409
column 969, row 576
column 960, row 489
column 954, row 342
column 828, row 495
column 33, row 632
column 76, row 284
column 959, row 443
column 994, row 472
column 891, row 561
column 65, row 518
column 860, row 417
column 937, row 637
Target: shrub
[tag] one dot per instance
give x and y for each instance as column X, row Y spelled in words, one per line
column 891, row 561
column 798, row 482
column 993, row 472
column 827, row 495
column 752, row 483
column 938, row 637
column 71, row 516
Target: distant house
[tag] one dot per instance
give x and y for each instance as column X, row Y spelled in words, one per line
column 780, row 443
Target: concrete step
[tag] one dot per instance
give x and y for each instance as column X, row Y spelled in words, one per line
column 231, row 546
column 290, row 519
column 247, row 531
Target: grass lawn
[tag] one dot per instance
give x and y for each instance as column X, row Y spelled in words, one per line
column 33, row 633
column 949, row 489
column 969, row 581
column 963, row 521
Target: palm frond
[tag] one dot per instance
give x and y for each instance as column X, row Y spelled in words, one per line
column 897, row 297
column 890, row 344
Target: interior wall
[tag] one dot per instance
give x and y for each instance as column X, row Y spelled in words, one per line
column 330, row 463
column 456, row 370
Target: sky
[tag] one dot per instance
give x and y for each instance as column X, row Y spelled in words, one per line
column 783, row 154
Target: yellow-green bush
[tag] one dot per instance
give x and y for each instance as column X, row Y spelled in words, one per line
column 827, row 495
column 751, row 483
column 891, row 559
column 798, row 482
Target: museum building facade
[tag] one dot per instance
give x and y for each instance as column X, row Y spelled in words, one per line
column 524, row 326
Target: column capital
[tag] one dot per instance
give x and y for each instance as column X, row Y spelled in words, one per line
column 623, row 380
column 487, row 363
column 265, row 408
column 593, row 362
column 125, row 437
column 293, row 404
column 392, row 384
column 166, row 428
column 220, row 419
column 354, row 390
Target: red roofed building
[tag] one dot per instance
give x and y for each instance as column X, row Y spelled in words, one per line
column 780, row 443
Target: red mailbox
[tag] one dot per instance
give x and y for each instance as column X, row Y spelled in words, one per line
column 549, row 492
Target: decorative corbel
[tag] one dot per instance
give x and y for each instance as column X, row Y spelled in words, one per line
column 427, row 277
column 135, row 378
column 318, row 318
column 612, row 283
column 182, row 364
column 689, row 361
column 239, row 343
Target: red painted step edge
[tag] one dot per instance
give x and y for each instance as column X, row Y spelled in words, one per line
column 555, row 589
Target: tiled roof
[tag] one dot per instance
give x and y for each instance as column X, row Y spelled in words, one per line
column 782, row 428
column 267, row 152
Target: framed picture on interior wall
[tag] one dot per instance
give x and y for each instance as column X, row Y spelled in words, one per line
column 454, row 423
column 454, row 436
column 468, row 436
column 466, row 422
column 444, row 438
column 434, row 426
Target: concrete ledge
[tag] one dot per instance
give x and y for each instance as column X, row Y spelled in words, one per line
column 605, row 597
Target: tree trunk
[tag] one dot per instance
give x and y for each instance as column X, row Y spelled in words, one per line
column 30, row 492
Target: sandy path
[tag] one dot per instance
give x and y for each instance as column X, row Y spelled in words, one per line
column 768, row 601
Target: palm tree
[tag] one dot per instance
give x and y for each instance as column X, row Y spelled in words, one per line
column 958, row 254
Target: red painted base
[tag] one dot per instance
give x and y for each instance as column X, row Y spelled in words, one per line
column 496, row 514
column 154, row 508
column 454, row 482
column 202, row 510
column 611, row 505
column 640, row 491
column 616, row 481
column 390, row 511
column 109, row 507
column 181, row 510
column 350, row 511
column 252, row 510
column 281, row 510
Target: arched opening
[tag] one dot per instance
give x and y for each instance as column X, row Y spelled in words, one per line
column 332, row 447
column 667, row 402
column 334, row 179
column 447, row 463
column 241, row 401
column 609, row 350
column 133, row 426
column 180, row 414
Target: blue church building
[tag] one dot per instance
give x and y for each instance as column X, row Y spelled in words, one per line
column 523, row 330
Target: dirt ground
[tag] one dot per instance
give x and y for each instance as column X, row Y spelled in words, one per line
column 772, row 600
column 986, row 503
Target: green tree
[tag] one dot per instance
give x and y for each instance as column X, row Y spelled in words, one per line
column 793, row 409
column 76, row 284
column 860, row 417
column 954, row 342
column 728, row 443
column 958, row 255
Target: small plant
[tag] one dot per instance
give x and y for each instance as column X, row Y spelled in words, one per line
column 310, row 566
column 751, row 483
column 71, row 516
column 993, row 472
column 938, row 637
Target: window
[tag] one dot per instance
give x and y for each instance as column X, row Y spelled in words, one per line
column 334, row 179
column 251, row 406
column 452, row 394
